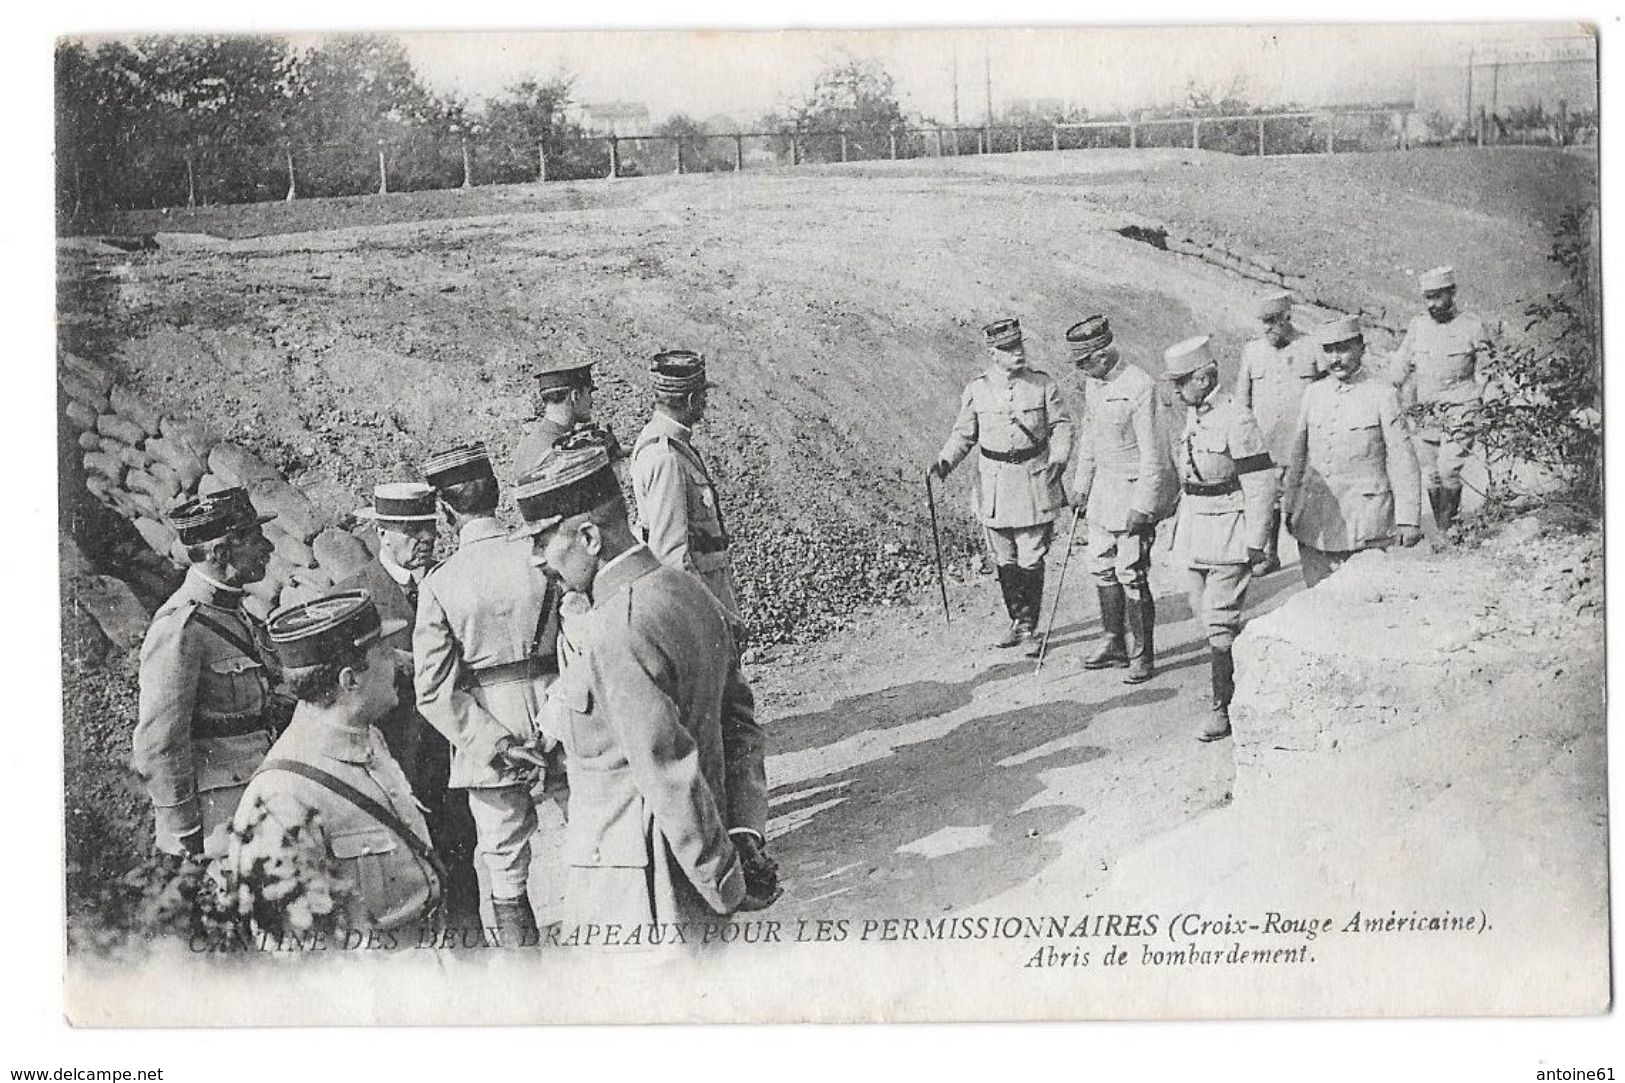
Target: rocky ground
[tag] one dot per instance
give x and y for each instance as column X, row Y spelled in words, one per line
column 342, row 340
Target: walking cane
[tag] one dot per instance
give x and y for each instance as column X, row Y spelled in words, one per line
column 1060, row 583
column 936, row 546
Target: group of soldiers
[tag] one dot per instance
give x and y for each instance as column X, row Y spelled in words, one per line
column 577, row 664
column 591, row 668
column 1317, row 436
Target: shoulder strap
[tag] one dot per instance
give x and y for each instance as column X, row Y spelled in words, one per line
column 228, row 634
column 372, row 808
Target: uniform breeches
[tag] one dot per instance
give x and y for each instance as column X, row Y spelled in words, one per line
column 1023, row 546
column 504, row 821
column 216, row 807
column 1120, row 559
column 1441, row 459
column 1217, row 595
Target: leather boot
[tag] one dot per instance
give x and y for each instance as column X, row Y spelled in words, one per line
column 1113, row 653
column 1448, row 507
column 1272, row 545
column 1141, row 614
column 1010, row 588
column 1441, row 513
column 1222, row 668
column 1032, row 599
column 515, row 922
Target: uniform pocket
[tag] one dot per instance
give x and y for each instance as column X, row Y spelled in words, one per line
column 1371, row 518
column 1357, row 442
column 364, row 855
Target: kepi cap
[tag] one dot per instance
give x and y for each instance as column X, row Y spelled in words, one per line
column 566, row 482
column 1276, row 304
column 678, row 372
column 310, row 633
column 1339, row 330
column 1089, row 337
column 400, row 502
column 1003, row 334
column 1183, row 358
column 457, row 465
column 209, row 518
column 570, row 372
column 1439, row 278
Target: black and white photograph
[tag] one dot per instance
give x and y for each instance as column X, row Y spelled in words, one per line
column 878, row 525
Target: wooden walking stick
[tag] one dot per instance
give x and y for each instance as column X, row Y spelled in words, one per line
column 1060, row 583
column 936, row 546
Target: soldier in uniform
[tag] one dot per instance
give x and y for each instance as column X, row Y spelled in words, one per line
column 404, row 514
column 1275, row 370
column 1122, row 481
column 205, row 715
column 1228, row 485
column 679, row 513
column 1438, row 364
column 483, row 649
column 565, row 390
column 1013, row 415
column 1352, row 481
column 330, row 785
column 668, row 809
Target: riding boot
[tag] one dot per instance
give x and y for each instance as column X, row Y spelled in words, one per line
column 1010, row 588
column 1141, row 613
column 1450, row 502
column 1272, row 545
column 515, row 922
column 1441, row 508
column 1032, row 599
column 1113, row 652
column 1222, row 668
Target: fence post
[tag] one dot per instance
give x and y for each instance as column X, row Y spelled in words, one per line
column 293, row 185
column 191, row 185
column 1019, row 133
column 795, row 149
column 1054, row 137
column 941, row 152
column 383, row 173
column 1196, row 134
column 981, row 141
column 843, row 144
column 468, row 172
column 677, row 155
column 1133, row 136
column 1261, row 137
column 739, row 153
column 1403, row 140
column 1481, row 125
column 541, row 162
column 892, row 137
column 614, row 158
column 1331, row 133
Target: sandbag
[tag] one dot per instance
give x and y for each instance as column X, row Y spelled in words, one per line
column 297, row 593
column 119, row 613
column 210, row 483
column 188, row 465
column 108, row 466
column 120, row 429
column 132, row 457
column 141, row 481
column 257, row 607
column 238, row 467
column 158, row 536
column 80, row 415
column 178, row 555
column 137, row 505
column 89, row 441
column 279, row 569
column 288, row 547
column 79, row 391
column 189, row 435
column 340, row 553
column 132, row 407
column 318, row 578
column 100, row 487
column 97, row 376
column 266, row 591
column 294, row 512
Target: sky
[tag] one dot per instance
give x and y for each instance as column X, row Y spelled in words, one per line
column 743, row 74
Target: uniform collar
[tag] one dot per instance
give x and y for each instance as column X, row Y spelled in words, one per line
column 1291, row 341
column 1004, row 375
column 663, row 424
column 633, row 564
column 312, row 735
column 484, row 528
column 1217, row 398
column 210, row 591
column 1341, row 386
column 400, row 575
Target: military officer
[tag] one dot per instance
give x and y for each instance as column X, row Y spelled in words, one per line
column 1275, row 369
column 1123, row 482
column 1440, row 364
column 668, row 811
column 565, row 390
column 483, row 652
column 1352, row 481
column 404, row 514
column 1228, row 485
column 1013, row 415
column 679, row 513
column 205, row 713
column 333, row 763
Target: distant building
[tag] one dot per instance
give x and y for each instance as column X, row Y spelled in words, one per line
column 613, row 118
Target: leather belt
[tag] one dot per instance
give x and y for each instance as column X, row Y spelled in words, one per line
column 1217, row 488
column 207, row 726
column 1022, row 456
column 525, row 669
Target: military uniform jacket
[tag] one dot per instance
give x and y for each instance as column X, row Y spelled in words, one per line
column 481, row 609
column 1228, row 485
column 679, row 512
column 536, row 444
column 1438, row 362
column 1012, row 414
column 392, row 886
column 1120, row 462
column 201, row 723
column 1353, row 474
column 1271, row 382
column 666, row 756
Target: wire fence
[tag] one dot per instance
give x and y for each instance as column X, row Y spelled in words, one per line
column 233, row 173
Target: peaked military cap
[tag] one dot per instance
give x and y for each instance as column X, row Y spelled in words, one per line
column 678, row 372
column 1188, row 356
column 566, row 482
column 459, row 464
column 1003, row 334
column 1275, row 304
column 1339, row 330
column 209, row 518
column 1089, row 337
column 400, row 502
column 571, row 372
column 310, row 633
column 1439, row 278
